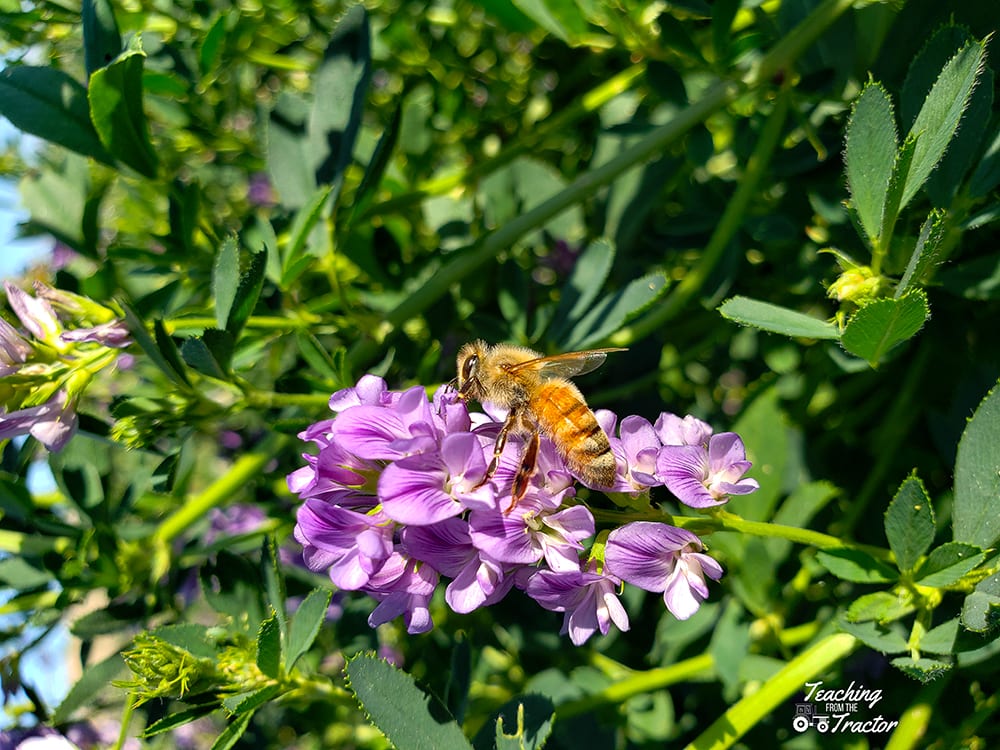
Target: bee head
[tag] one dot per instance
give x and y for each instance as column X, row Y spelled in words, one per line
column 468, row 361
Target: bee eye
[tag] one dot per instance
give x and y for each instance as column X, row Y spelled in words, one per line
column 470, row 366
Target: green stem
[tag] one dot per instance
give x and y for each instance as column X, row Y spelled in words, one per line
column 245, row 469
column 261, row 322
column 639, row 683
column 271, row 400
column 742, row 716
column 722, row 520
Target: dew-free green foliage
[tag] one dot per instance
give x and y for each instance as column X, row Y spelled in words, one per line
column 785, row 212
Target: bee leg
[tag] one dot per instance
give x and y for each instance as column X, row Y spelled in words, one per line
column 524, row 471
column 498, row 447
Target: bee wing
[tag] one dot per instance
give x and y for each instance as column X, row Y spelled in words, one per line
column 566, row 365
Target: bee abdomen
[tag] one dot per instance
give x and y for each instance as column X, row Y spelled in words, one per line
column 565, row 417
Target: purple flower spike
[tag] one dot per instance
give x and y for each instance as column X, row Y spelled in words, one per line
column 589, row 599
column 702, row 478
column 114, row 334
column 14, row 349
column 663, row 559
column 36, row 314
column 354, row 546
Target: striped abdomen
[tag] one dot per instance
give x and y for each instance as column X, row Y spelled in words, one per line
column 564, row 417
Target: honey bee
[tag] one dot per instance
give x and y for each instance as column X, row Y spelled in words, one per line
column 539, row 401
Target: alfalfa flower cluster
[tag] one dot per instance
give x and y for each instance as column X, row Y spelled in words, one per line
column 394, row 506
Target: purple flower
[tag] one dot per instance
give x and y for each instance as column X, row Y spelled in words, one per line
column 674, row 430
column 114, row 334
column 36, row 314
column 403, row 587
column 662, row 559
column 52, row 423
column 477, row 579
column 589, row 599
column 533, row 531
column 702, row 478
column 430, row 487
column 352, row 546
column 14, row 349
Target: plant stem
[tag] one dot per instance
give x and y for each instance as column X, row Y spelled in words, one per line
column 222, row 490
column 742, row 716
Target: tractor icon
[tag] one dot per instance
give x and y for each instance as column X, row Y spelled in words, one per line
column 805, row 715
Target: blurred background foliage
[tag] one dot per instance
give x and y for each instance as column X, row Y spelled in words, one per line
column 451, row 170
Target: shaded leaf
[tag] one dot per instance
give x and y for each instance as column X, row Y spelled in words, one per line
column 522, row 722
column 47, row 103
column 247, row 293
column 881, row 607
column 225, row 279
column 269, row 647
column 926, row 253
column 233, row 731
column 981, row 609
column 923, row 670
column 612, row 312
column 94, row 679
column 976, row 513
column 585, row 281
column 887, row 639
column 102, row 42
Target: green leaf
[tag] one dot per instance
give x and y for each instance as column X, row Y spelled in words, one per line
column 887, row 639
column 247, row 293
column 585, row 282
column 210, row 354
column 225, row 279
column 909, row 523
column 102, row 42
column 305, row 624
column 923, row 670
column 169, row 357
column 882, row 607
column 948, row 563
column 870, row 154
column 976, row 513
column 981, row 609
column 763, row 425
column 232, row 587
column 175, row 720
column 94, row 679
column 233, row 731
column 942, row 110
column 855, row 565
column 561, row 18
column 212, row 43
column 523, row 723
column 274, row 582
column 880, row 325
column 298, row 253
column 941, row 640
column 18, row 574
column 115, row 96
column 926, row 253
column 612, row 312
column 341, row 84
column 269, row 647
column 926, row 66
column 408, row 717
column 47, row 103
column 289, row 162
column 251, row 700
column 319, row 359
column 768, row 317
